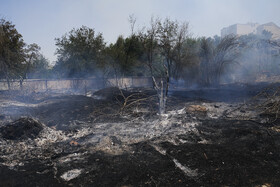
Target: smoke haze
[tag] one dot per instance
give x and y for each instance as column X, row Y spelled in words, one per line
column 42, row 21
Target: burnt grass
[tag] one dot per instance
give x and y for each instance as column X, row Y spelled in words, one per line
column 238, row 152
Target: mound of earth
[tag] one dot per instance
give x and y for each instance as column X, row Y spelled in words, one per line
column 22, row 128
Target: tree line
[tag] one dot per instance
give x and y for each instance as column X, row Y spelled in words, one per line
column 17, row 59
column 163, row 48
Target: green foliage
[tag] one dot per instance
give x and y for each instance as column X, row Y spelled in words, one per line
column 125, row 55
column 188, row 66
column 40, row 68
column 80, row 52
column 163, row 49
column 32, row 53
column 206, row 54
column 11, row 51
column 18, row 61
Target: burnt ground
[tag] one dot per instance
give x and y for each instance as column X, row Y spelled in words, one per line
column 208, row 137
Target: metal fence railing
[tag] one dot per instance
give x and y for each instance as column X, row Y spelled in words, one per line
column 75, row 84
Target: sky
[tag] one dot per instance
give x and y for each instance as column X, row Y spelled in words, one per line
column 41, row 21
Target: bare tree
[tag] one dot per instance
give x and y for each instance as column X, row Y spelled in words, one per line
column 149, row 40
column 226, row 53
column 167, row 41
column 132, row 21
column 164, row 38
column 216, row 58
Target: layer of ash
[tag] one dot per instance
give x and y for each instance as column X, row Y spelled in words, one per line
column 69, row 175
column 26, row 138
column 120, row 140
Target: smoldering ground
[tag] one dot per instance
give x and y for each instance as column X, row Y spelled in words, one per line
column 207, row 137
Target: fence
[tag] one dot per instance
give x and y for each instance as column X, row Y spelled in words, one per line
column 76, row 84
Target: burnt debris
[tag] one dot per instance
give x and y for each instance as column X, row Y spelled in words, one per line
column 116, row 137
column 22, row 128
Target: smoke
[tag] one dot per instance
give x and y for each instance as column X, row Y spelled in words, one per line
column 259, row 60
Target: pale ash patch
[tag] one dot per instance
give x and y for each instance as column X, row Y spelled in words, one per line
column 189, row 172
column 71, row 174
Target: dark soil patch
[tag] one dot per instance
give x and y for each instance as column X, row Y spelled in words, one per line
column 222, row 152
column 61, row 111
column 34, row 173
column 145, row 167
column 23, row 128
column 238, row 153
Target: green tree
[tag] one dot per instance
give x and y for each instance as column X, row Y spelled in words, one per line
column 11, row 51
column 206, row 54
column 116, row 56
column 188, row 69
column 126, row 55
column 182, row 51
column 80, row 52
column 32, row 53
column 40, row 67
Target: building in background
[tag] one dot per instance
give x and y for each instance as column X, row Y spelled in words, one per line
column 252, row 28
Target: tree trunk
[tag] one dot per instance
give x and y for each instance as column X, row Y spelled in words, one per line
column 161, row 95
column 162, row 100
column 20, row 83
column 8, row 82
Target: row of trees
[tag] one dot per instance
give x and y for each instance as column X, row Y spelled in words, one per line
column 17, row 59
column 164, row 48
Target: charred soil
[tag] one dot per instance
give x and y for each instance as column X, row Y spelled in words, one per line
column 113, row 137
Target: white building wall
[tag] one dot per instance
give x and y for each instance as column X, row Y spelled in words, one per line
column 244, row 29
column 270, row 27
column 251, row 28
column 229, row 30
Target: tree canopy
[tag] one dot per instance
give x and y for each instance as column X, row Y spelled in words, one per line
column 12, row 54
column 165, row 48
column 80, row 52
